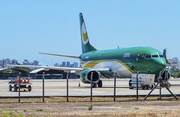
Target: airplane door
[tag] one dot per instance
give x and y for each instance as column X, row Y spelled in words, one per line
column 137, row 58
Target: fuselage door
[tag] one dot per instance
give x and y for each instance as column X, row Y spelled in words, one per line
column 137, row 58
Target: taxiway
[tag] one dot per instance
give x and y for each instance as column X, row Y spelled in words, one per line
column 58, row 88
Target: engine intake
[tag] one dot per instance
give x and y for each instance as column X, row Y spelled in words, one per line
column 166, row 75
column 86, row 76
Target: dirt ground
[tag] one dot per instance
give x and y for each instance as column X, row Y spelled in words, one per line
column 101, row 106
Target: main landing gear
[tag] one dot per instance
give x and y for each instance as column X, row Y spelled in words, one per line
column 100, row 83
column 94, row 85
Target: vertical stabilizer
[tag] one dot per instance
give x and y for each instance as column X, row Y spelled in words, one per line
column 86, row 45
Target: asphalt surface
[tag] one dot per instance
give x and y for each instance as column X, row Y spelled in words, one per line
column 57, row 87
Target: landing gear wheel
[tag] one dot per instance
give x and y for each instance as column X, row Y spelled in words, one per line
column 143, row 87
column 29, row 88
column 152, row 86
column 15, row 88
column 169, row 84
column 10, row 88
column 147, row 87
column 100, row 83
column 130, row 84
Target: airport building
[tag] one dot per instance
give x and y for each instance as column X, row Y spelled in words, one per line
column 174, row 63
column 50, row 74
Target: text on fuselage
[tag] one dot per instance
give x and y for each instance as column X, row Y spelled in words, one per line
column 127, row 55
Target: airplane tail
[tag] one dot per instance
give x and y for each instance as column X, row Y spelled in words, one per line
column 86, row 45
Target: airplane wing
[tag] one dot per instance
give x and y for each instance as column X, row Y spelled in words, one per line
column 47, row 67
column 3, row 69
column 104, row 70
column 37, row 70
column 83, row 71
column 58, row 68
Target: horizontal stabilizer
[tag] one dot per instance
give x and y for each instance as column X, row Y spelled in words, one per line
column 77, row 57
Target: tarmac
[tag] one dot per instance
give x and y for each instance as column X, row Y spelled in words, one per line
column 58, row 87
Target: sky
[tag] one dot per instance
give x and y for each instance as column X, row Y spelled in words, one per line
column 28, row 27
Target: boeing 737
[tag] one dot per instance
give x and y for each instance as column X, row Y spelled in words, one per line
column 123, row 61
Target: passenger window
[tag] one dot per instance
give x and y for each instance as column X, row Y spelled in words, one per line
column 155, row 56
column 148, row 56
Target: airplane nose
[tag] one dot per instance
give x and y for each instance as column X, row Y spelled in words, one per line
column 162, row 63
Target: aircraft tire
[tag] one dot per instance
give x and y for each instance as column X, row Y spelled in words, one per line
column 152, row 86
column 29, row 88
column 130, row 84
column 15, row 88
column 169, row 84
column 100, row 83
column 147, row 87
column 10, row 88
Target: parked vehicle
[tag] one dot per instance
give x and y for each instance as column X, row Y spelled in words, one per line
column 145, row 81
column 25, row 83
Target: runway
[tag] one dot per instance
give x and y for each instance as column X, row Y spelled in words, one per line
column 58, row 88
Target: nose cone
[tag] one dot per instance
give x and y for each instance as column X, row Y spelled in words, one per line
column 161, row 64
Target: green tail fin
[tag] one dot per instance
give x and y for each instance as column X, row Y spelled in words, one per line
column 86, row 45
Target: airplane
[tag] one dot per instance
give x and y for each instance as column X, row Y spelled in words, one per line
column 122, row 61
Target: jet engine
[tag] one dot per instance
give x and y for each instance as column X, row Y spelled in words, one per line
column 166, row 75
column 86, row 76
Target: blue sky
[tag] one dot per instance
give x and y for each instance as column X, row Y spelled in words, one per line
column 30, row 27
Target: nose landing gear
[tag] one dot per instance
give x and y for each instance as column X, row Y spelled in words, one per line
column 161, row 83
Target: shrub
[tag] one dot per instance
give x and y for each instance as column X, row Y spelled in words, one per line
column 90, row 107
column 39, row 110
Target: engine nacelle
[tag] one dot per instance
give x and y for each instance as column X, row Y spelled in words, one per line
column 86, row 76
column 166, row 75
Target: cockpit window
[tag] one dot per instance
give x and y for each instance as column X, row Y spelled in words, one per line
column 155, row 56
column 148, row 56
column 161, row 56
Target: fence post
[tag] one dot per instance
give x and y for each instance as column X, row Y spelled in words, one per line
column 115, row 86
column 43, row 85
column 19, row 84
column 91, row 85
column 137, row 85
column 67, row 85
column 160, row 81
